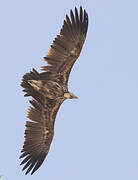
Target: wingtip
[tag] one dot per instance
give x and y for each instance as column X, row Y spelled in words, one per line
column 32, row 172
column 76, row 10
column 80, row 8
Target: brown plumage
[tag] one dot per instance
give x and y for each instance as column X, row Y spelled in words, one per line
column 50, row 88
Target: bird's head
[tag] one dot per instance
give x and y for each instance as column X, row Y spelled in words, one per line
column 69, row 95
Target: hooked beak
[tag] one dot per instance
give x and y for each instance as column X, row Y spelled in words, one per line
column 74, row 97
column 70, row 96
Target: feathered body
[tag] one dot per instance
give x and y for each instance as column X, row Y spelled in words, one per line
column 50, row 88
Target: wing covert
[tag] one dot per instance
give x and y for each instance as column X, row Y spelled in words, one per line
column 39, row 131
column 67, row 46
column 63, row 53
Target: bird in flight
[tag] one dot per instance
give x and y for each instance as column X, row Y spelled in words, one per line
column 50, row 88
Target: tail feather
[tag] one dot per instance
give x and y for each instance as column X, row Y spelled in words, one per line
column 28, row 89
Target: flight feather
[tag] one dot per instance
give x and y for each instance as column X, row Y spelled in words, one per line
column 49, row 89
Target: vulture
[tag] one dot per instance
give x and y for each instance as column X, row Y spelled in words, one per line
column 49, row 89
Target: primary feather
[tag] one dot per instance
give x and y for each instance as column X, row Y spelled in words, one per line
column 49, row 89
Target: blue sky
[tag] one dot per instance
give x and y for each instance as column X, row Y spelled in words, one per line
column 96, row 136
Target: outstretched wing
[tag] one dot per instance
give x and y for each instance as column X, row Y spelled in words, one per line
column 39, row 132
column 63, row 53
column 67, row 45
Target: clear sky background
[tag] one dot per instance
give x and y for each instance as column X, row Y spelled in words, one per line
column 96, row 136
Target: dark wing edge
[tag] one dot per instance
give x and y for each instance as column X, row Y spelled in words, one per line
column 35, row 148
column 67, row 45
column 37, row 141
column 63, row 53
